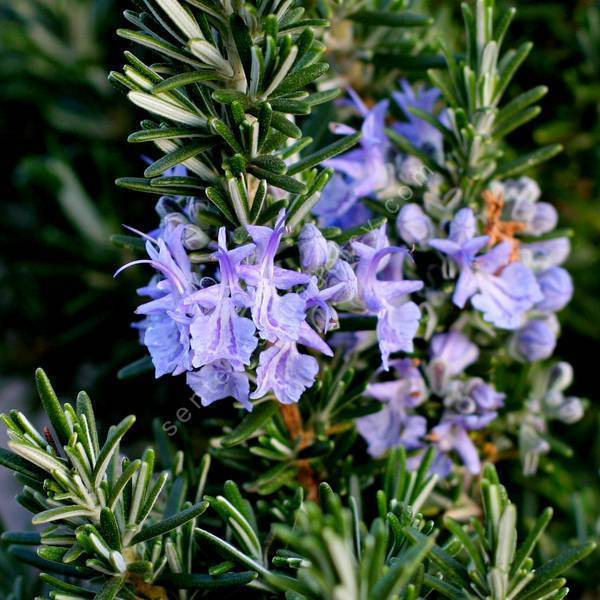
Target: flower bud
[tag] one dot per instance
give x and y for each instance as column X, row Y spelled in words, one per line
column 167, row 205
column 194, row 238
column 413, row 225
column 535, row 341
column 557, row 288
column 412, row 172
column 522, row 189
column 540, row 256
column 313, row 248
column 571, row 411
column 342, row 273
column 174, row 219
column 543, row 220
column 523, row 210
column 560, row 377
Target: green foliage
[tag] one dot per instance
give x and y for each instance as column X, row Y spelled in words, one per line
column 109, row 520
column 235, row 77
column 473, row 86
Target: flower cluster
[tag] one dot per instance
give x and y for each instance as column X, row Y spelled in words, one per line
column 250, row 314
column 497, row 261
column 251, row 320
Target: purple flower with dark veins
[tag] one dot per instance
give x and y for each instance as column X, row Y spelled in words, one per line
column 166, row 328
column 419, row 132
column 451, row 354
column 218, row 331
column 218, row 380
column 502, row 290
column 363, row 171
column 276, row 317
column 397, row 318
column 393, row 426
column 285, row 372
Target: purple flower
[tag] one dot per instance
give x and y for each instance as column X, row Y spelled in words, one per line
column 165, row 331
column 451, row 354
column 285, row 372
column 343, row 275
column 397, row 318
column 535, row 341
column 416, row 130
column 472, row 404
column 543, row 220
column 276, row 317
column 218, row 380
column 408, row 389
column 413, row 225
column 313, row 248
column 502, row 290
column 543, row 255
column 448, row 437
column 391, row 427
column 339, row 206
column 365, row 168
column 218, row 331
column 557, row 289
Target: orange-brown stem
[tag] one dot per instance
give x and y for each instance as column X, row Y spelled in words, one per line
column 306, row 474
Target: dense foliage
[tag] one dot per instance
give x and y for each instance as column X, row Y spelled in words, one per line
column 358, row 280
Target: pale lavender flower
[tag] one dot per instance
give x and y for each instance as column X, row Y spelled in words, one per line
column 391, row 427
column 339, row 206
column 557, row 289
column 413, row 225
column 451, row 354
column 408, row 389
column 469, row 405
column 218, row 331
column 165, row 331
column 313, row 248
column 397, row 318
column 276, row 317
column 543, row 220
column 536, row 340
column 502, row 290
column 416, row 130
column 342, row 274
column 545, row 254
column 285, row 372
column 365, row 168
column 448, row 437
column 217, row 381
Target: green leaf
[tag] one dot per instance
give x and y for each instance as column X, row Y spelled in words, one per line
column 22, row 538
column 137, row 367
column 111, row 589
column 555, row 567
column 28, row 556
column 281, row 123
column 531, row 540
column 157, row 45
column 52, row 406
column 402, row 569
column 298, row 80
column 20, row 465
column 195, row 581
column 284, row 182
column 171, row 523
column 109, row 529
column 176, row 157
column 217, row 198
column 162, row 133
column 59, row 584
column 114, row 437
column 184, row 79
column 251, row 423
column 316, row 158
column 386, row 18
column 528, row 161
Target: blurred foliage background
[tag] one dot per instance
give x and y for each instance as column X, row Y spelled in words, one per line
column 64, row 133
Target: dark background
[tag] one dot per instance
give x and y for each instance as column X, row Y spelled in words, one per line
column 63, row 131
